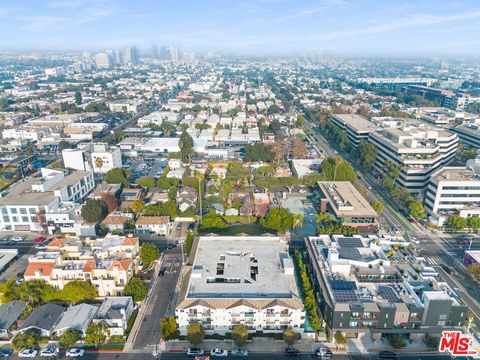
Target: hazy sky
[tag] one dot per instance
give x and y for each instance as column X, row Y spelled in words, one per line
column 348, row 27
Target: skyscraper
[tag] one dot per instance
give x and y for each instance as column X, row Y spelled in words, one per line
column 103, row 61
column 131, row 56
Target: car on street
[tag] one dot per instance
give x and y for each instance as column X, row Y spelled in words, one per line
column 48, row 352
column 40, row 246
column 369, row 187
column 292, row 352
column 5, row 353
column 28, row 353
column 161, row 273
column 171, row 246
column 39, row 240
column 195, row 352
column 387, row 355
column 75, row 352
column 324, row 353
column 448, row 270
column 17, row 238
column 19, row 280
column 415, row 240
column 219, row 352
column 239, row 352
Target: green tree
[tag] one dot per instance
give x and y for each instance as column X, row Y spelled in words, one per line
column 138, row 206
column 26, row 339
column 96, row 333
column 78, row 98
column 456, row 222
column 277, row 219
column 118, row 176
column 213, row 220
column 136, row 288
column 76, row 291
column 240, row 335
column 337, row 169
column 195, row 333
column 189, row 243
column 290, row 336
column 377, row 206
column 396, row 341
column 167, row 183
column 297, row 221
column 34, row 292
column 367, row 154
column 301, row 121
column 148, row 254
column 146, row 182
column 94, row 210
column 340, row 339
column 431, row 341
column 69, row 338
column 259, row 152
column 169, row 328
column 416, row 209
column 186, row 146
column 474, row 223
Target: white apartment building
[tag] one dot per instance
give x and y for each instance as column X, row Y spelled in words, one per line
column 418, row 151
column 452, row 190
column 248, row 280
column 77, row 159
column 105, row 158
column 21, row 134
column 39, row 194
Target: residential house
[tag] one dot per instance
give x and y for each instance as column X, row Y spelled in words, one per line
column 218, row 208
column 43, row 319
column 76, row 317
column 9, row 314
column 231, row 212
column 116, row 221
column 186, row 198
column 158, row 225
column 115, row 312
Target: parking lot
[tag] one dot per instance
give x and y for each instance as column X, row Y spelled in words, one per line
column 146, row 168
column 25, row 248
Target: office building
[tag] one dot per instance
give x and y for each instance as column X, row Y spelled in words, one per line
column 240, row 280
column 397, row 82
column 362, row 293
column 469, row 133
column 418, row 151
column 346, row 204
column 105, row 158
column 131, row 56
column 452, row 190
column 103, row 61
column 356, row 127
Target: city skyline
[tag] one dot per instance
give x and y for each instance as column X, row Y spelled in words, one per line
column 266, row 27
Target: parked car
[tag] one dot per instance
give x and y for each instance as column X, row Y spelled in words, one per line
column 19, row 280
column 40, row 246
column 75, row 352
column 28, row 353
column 448, row 270
column 415, row 240
column 17, row 238
column 5, row 353
column 161, row 273
column 39, row 239
column 48, row 352
column 219, row 352
column 323, row 353
column 292, row 352
column 387, row 355
column 195, row 352
column 239, row 352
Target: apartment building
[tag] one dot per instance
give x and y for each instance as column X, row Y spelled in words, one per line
column 45, row 190
column 418, row 151
column 108, row 263
column 452, row 190
column 346, row 204
column 105, row 158
column 356, row 127
column 363, row 293
column 248, row 280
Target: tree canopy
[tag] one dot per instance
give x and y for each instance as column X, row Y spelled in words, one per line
column 96, row 333
column 337, row 169
column 118, row 176
column 290, row 336
column 186, row 146
column 169, row 328
column 94, row 210
column 277, row 219
column 148, row 254
column 259, row 152
column 213, row 220
column 136, row 288
column 69, row 338
column 456, row 222
column 146, row 182
column 195, row 333
column 240, row 335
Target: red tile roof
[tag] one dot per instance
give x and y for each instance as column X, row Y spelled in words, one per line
column 45, row 268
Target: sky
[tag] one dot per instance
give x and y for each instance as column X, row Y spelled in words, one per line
column 247, row 27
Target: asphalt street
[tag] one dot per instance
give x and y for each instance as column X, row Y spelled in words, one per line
column 160, row 302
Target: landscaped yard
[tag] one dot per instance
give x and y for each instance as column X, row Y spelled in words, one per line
column 250, row 229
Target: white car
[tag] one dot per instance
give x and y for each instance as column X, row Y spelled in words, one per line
column 17, row 238
column 415, row 240
column 40, row 246
column 219, row 352
column 48, row 352
column 75, row 352
column 28, row 353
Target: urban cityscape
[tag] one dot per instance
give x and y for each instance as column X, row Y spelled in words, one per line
column 263, row 179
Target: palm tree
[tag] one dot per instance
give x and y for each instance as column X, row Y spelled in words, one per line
column 99, row 163
column 324, row 218
column 297, row 221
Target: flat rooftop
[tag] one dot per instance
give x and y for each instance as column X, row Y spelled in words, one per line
column 356, row 122
column 455, row 174
column 252, row 267
column 345, row 199
column 7, row 255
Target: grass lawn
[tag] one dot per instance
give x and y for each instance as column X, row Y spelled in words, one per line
column 250, row 229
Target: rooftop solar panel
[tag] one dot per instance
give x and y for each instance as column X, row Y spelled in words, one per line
column 344, row 296
column 388, row 294
column 349, row 242
column 343, row 285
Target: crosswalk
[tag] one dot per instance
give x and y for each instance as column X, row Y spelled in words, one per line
column 432, row 261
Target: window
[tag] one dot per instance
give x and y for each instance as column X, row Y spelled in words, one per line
column 13, row 210
column 353, row 323
column 15, row 219
column 32, row 211
column 386, row 316
column 4, row 210
column 6, row 218
column 24, row 218
column 23, row 211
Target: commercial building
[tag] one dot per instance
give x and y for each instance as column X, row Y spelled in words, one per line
column 451, row 190
column 103, row 61
column 240, row 280
column 346, row 204
column 356, row 127
column 397, row 82
column 363, row 294
column 131, row 56
column 108, row 263
column 105, row 158
column 445, row 98
column 25, row 203
column 469, row 133
column 418, row 151
column 303, row 167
